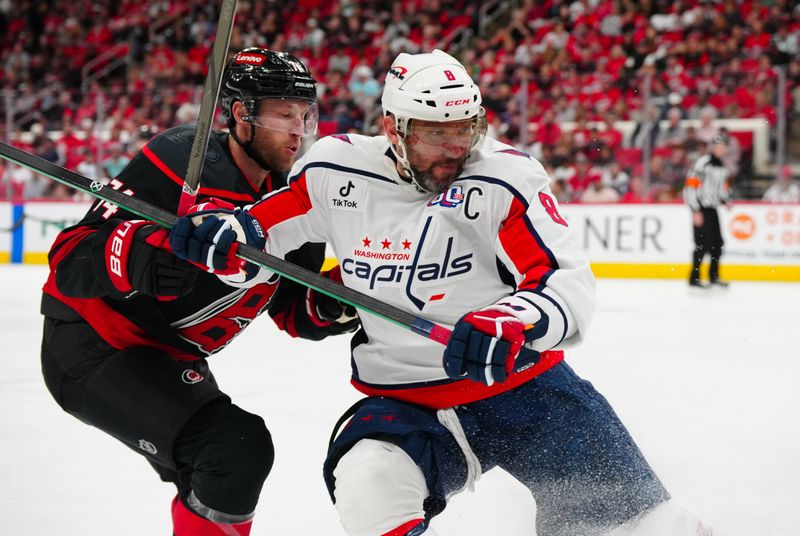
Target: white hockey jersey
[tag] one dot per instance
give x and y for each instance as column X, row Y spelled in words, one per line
column 494, row 239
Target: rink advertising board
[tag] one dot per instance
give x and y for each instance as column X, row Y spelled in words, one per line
column 41, row 223
column 6, row 229
column 762, row 242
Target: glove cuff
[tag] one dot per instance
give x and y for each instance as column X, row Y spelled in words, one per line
column 113, row 244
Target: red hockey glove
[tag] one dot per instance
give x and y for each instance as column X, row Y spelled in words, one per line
column 484, row 346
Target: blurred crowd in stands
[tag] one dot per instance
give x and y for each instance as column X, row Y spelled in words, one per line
column 558, row 78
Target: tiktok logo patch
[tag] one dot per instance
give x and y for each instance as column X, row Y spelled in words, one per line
column 347, row 193
column 344, row 191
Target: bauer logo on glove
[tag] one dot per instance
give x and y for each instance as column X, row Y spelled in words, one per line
column 208, row 235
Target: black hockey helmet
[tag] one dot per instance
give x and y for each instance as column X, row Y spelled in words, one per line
column 257, row 73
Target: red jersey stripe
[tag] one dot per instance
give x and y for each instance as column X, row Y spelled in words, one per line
column 211, row 192
column 294, row 202
column 112, row 326
column 66, row 242
column 462, row 391
column 523, row 248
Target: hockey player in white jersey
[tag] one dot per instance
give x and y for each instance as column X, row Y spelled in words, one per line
column 464, row 231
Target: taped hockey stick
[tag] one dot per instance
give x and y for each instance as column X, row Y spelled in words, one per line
column 208, row 105
column 284, row 268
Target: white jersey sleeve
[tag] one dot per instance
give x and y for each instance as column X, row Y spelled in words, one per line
column 555, row 288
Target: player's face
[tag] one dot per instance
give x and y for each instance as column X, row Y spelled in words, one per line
column 281, row 125
column 437, row 151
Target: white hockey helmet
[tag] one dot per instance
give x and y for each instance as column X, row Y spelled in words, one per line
column 430, row 87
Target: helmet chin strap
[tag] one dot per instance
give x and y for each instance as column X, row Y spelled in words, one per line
column 405, row 165
column 247, row 147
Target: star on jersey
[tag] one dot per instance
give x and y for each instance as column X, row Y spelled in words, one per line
column 422, row 272
column 366, row 241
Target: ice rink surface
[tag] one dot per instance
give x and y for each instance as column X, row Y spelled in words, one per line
column 706, row 381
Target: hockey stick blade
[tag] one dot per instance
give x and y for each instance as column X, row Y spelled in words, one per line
column 205, row 117
column 282, row 267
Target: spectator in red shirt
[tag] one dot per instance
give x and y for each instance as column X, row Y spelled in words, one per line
column 758, row 41
column 584, row 175
column 548, row 132
column 70, row 147
column 635, row 193
column 581, row 134
column 609, row 135
column 763, row 109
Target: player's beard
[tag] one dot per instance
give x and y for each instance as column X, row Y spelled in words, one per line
column 436, row 180
column 270, row 146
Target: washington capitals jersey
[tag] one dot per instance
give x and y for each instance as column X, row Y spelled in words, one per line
column 213, row 313
column 495, row 239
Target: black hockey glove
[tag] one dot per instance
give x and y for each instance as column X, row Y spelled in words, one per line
column 137, row 259
column 329, row 313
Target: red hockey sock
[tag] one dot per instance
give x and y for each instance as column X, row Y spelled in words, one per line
column 187, row 523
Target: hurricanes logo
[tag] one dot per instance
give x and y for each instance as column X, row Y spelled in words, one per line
column 191, row 377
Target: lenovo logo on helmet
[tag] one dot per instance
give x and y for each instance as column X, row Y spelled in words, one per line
column 251, row 59
column 458, row 102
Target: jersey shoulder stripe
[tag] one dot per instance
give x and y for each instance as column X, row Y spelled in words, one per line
column 509, row 165
column 356, row 155
column 336, row 167
column 170, row 151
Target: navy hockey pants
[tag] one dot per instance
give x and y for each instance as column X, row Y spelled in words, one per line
column 556, row 434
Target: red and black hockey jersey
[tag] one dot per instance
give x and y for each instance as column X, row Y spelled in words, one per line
column 213, row 313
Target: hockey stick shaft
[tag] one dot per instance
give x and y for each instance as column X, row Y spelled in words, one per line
column 208, row 106
column 282, row 267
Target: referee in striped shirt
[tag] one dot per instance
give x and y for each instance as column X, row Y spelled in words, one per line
column 705, row 189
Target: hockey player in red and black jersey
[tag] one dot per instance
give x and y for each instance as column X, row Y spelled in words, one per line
column 440, row 220
column 128, row 325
